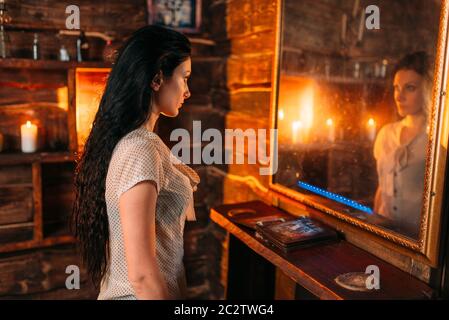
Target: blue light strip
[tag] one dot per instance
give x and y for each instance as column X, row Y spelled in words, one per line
column 336, row 197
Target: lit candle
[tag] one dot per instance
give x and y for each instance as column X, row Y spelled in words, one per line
column 281, row 114
column 371, row 127
column 330, row 130
column 28, row 133
column 383, row 70
column 296, row 132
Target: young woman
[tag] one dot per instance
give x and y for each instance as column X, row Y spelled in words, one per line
column 400, row 147
column 132, row 195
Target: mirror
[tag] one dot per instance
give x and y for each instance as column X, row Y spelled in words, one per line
column 355, row 111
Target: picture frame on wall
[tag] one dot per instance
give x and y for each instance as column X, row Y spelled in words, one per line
column 181, row 15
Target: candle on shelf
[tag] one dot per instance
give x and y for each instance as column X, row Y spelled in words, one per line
column 28, row 134
column 330, row 130
column 371, row 129
column 296, row 132
column 281, row 114
column 383, row 70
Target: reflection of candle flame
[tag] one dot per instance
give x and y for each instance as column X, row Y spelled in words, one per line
column 371, row 129
column 306, row 112
column 296, row 125
column 281, row 114
column 331, row 130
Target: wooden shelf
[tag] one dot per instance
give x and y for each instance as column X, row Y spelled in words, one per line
column 46, row 242
column 50, row 64
column 42, row 180
column 315, row 268
column 337, row 79
column 43, row 157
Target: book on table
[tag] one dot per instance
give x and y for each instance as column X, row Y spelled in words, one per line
column 296, row 233
column 250, row 218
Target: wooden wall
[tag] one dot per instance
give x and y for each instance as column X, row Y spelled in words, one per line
column 40, row 273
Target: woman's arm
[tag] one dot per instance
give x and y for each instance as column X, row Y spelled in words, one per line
column 137, row 213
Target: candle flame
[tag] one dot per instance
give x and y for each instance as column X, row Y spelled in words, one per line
column 329, row 122
column 306, row 107
column 296, row 125
column 281, row 114
column 28, row 124
column 371, row 122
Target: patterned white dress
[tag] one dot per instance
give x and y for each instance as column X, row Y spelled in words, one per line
column 141, row 155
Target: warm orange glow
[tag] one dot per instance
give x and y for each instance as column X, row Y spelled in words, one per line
column 306, row 108
column 90, row 85
column 296, row 105
column 330, row 130
column 371, row 129
column 281, row 114
column 63, row 98
column 297, row 132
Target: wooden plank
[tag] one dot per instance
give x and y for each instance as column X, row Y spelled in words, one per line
column 31, row 244
column 315, row 268
column 44, row 157
column 37, row 197
column 285, row 287
column 15, row 174
column 16, row 204
column 38, row 271
column 21, row 63
column 71, row 114
column 15, row 233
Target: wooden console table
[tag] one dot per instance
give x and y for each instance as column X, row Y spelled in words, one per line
column 256, row 270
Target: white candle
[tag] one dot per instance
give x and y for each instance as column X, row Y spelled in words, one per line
column 296, row 132
column 383, row 70
column 281, row 114
column 28, row 133
column 330, row 130
column 371, row 129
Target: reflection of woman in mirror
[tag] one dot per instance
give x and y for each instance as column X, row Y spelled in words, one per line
column 400, row 147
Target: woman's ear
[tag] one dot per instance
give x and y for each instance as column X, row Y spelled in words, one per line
column 157, row 81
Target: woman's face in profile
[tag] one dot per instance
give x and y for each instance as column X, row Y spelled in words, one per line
column 408, row 92
column 174, row 90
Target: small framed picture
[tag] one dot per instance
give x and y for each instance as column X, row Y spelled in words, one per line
column 182, row 15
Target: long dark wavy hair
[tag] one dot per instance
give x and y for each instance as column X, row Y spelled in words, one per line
column 125, row 106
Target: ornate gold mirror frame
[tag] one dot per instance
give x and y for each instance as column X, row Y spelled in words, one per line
column 424, row 249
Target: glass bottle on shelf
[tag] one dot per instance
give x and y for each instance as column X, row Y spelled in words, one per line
column 82, row 48
column 63, row 54
column 5, row 19
column 36, row 48
column 4, row 43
